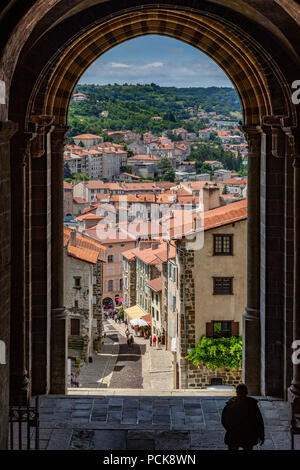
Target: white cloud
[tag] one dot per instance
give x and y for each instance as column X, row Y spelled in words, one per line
column 119, row 65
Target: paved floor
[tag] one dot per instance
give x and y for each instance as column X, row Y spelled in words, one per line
column 118, row 366
column 149, row 422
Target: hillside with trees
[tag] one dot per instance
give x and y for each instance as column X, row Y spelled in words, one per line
column 131, row 107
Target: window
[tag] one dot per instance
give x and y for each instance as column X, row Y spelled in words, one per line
column 223, row 245
column 222, row 285
column 110, row 271
column 77, row 282
column 76, row 303
column 153, row 312
column 222, row 329
column 110, row 285
column 75, row 327
column 157, row 315
column 110, row 258
column 121, row 284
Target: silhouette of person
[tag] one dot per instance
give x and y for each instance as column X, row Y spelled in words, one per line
column 243, row 421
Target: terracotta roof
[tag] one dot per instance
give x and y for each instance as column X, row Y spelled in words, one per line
column 94, row 184
column 87, row 136
column 213, row 218
column 130, row 254
column 89, row 217
column 120, row 237
column 79, row 200
column 86, row 249
column 68, row 185
column 155, row 284
column 234, row 181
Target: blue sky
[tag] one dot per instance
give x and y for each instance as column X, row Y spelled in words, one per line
column 159, row 59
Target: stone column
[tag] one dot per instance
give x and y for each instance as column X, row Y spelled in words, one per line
column 294, row 391
column 41, row 254
column 251, row 319
column 7, row 130
column 58, row 317
column 19, row 380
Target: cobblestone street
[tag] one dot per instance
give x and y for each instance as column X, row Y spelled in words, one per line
column 126, row 401
column 119, row 366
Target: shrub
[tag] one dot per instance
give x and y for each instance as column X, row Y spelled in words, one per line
column 217, row 353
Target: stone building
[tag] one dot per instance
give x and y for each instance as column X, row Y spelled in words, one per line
column 83, row 281
column 45, row 48
column 68, row 198
column 155, row 294
column 207, row 290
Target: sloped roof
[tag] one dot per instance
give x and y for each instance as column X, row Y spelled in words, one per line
column 155, row 284
column 86, row 249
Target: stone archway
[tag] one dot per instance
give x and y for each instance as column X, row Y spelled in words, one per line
column 48, row 56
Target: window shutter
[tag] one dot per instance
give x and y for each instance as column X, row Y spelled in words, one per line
column 209, row 329
column 235, row 328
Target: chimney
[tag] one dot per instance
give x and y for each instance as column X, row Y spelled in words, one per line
column 73, row 238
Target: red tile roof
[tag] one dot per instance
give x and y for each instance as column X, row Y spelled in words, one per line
column 86, row 249
column 155, row 284
column 87, row 136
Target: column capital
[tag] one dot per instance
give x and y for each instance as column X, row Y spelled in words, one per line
column 253, row 136
column 58, row 137
column 40, row 125
column 282, row 134
column 7, row 130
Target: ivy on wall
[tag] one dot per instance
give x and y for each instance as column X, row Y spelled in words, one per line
column 217, row 353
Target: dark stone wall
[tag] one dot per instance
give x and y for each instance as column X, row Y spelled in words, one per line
column 5, row 257
column 272, row 272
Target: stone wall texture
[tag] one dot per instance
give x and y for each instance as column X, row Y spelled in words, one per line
column 201, row 377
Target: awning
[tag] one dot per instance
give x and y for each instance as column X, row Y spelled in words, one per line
column 147, row 318
column 134, row 312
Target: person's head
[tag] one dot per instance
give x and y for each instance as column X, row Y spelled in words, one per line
column 241, row 390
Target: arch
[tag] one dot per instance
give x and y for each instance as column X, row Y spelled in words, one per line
column 245, row 62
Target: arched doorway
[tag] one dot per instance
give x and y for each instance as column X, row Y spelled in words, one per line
column 52, row 63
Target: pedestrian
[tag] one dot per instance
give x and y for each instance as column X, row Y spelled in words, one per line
column 150, row 339
column 128, row 341
column 154, row 340
column 131, row 340
column 243, row 421
column 127, row 332
column 74, row 381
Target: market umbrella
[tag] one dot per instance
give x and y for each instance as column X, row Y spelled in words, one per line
column 138, row 322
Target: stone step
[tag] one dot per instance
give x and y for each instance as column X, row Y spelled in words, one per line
column 146, row 392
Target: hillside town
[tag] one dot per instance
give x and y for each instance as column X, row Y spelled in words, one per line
column 154, row 251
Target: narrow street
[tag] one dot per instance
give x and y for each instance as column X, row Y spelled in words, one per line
column 121, row 367
column 128, row 368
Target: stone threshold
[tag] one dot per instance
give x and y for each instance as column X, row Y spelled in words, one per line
column 147, row 392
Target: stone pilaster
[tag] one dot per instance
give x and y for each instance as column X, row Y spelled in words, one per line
column 41, row 253
column 58, row 316
column 273, row 161
column 251, row 319
column 294, row 391
column 20, row 336
column 7, row 130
